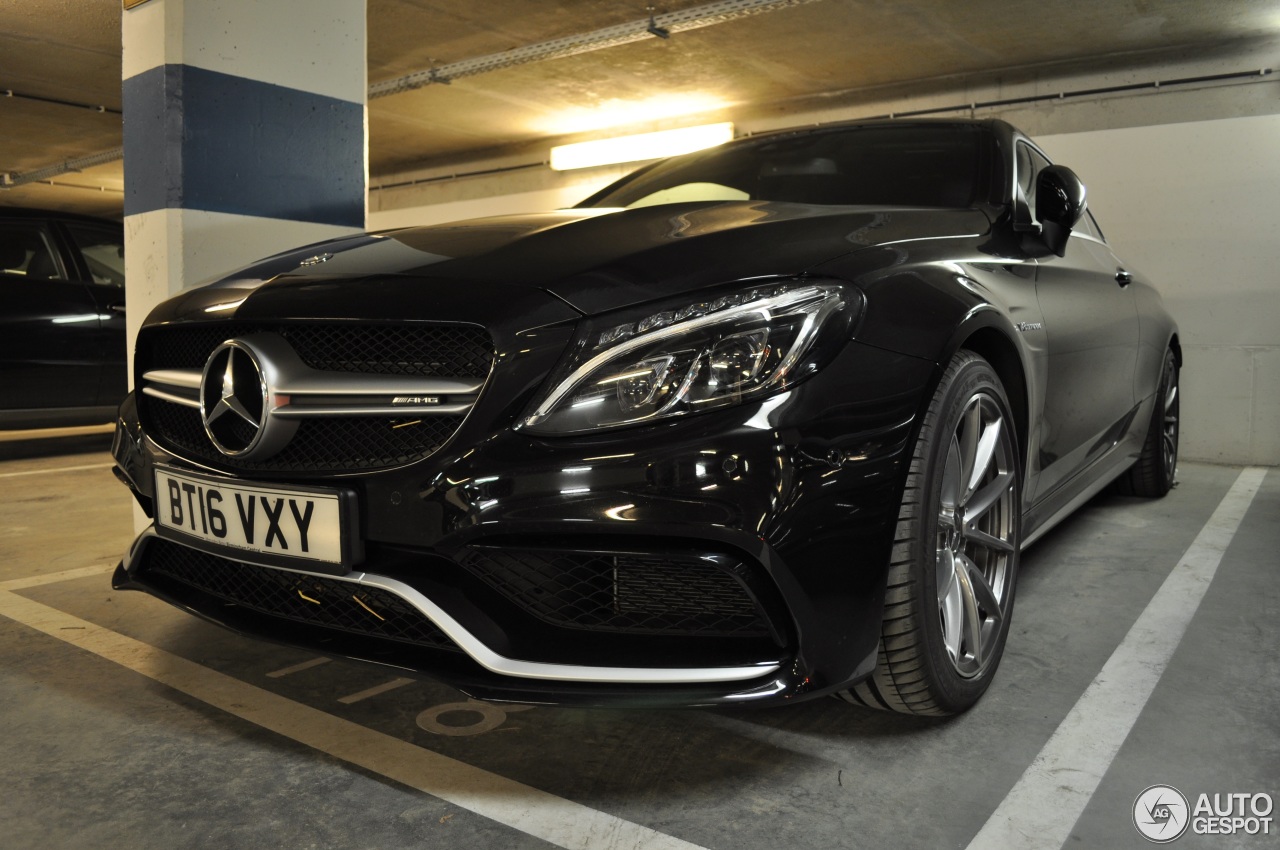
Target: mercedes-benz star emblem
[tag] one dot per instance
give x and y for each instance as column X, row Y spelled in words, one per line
column 240, row 393
column 233, row 399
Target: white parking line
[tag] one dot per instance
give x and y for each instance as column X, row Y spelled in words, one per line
column 1043, row 807
column 297, row 668
column 54, row 578
column 374, row 691
column 553, row 819
column 58, row 469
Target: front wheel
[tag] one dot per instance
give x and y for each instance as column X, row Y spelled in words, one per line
column 955, row 556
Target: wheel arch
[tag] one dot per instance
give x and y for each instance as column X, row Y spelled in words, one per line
column 988, row 333
column 998, row 350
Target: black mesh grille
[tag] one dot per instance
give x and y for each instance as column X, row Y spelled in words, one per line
column 447, row 351
column 432, row 350
column 668, row 594
column 320, row 445
column 317, row 601
column 327, row 444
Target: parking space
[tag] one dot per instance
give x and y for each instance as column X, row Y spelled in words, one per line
column 120, row 711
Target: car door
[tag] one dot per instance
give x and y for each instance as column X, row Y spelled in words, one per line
column 98, row 251
column 1091, row 324
column 50, row 335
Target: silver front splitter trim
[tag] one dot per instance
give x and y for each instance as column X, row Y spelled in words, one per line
column 504, row 666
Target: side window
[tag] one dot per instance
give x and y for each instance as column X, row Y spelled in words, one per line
column 1030, row 163
column 1038, row 164
column 103, row 251
column 27, row 250
column 1026, row 171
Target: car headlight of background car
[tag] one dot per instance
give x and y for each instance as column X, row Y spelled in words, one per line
column 695, row 356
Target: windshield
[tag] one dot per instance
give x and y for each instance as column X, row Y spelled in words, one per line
column 882, row 165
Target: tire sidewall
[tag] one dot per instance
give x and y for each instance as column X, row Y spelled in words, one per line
column 953, row 692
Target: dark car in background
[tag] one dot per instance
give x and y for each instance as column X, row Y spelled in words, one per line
column 764, row 422
column 62, row 324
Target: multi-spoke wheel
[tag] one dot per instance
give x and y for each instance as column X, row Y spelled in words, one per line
column 976, row 535
column 1156, row 468
column 950, row 590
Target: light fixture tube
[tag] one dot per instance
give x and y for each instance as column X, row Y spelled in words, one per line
column 643, row 146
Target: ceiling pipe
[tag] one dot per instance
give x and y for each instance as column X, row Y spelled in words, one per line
column 92, row 107
column 661, row 26
column 655, row 25
column 1150, row 87
column 9, row 180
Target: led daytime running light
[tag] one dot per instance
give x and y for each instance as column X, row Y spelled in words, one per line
column 670, row 317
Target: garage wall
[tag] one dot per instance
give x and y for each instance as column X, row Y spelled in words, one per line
column 1196, row 206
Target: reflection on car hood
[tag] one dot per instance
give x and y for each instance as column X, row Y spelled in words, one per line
column 604, row 259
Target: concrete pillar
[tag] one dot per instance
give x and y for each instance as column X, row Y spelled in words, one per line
column 245, row 134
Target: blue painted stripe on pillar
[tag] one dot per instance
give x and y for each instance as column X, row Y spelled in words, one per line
column 198, row 139
column 152, row 140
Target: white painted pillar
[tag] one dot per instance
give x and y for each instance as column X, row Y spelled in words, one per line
column 245, row 134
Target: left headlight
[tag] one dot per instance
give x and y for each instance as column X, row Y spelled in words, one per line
column 725, row 351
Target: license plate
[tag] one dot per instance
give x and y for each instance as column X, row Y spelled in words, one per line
column 297, row 524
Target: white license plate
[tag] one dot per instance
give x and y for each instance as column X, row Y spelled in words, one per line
column 282, row 522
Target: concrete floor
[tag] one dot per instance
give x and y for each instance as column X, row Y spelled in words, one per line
column 128, row 724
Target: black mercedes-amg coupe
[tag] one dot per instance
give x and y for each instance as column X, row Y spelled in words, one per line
column 763, row 422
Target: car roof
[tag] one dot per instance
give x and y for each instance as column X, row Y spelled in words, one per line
column 1001, row 129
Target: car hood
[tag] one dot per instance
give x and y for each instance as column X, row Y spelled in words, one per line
column 593, row 260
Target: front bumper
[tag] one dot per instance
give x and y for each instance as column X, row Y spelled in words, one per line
column 738, row 557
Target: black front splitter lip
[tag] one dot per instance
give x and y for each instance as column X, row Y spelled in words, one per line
column 784, row 686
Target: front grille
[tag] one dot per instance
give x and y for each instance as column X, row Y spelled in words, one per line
column 314, row 600
column 329, row 444
column 428, row 350
column 652, row 594
column 348, row 444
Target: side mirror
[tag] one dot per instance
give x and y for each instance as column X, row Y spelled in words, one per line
column 1059, row 205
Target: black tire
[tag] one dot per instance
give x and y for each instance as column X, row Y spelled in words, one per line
column 955, row 556
column 1156, row 470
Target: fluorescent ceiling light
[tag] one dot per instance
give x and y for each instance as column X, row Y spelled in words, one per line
column 643, row 146
column 610, row 113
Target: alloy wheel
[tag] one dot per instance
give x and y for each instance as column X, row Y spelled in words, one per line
column 976, row 535
column 1169, row 436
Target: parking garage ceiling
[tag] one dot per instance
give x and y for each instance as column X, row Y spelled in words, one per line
column 60, row 65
